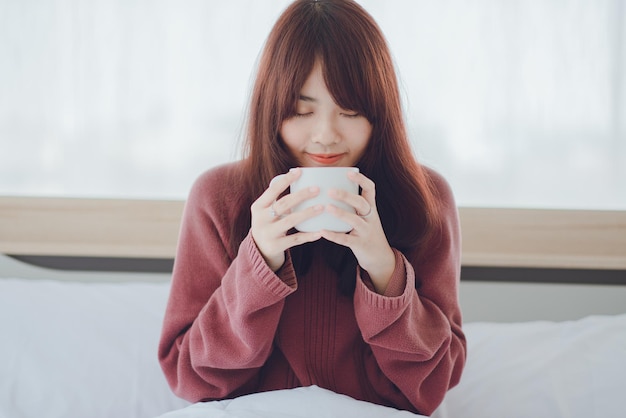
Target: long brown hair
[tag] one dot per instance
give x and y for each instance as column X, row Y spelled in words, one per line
column 359, row 73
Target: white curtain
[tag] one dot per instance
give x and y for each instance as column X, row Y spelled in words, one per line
column 518, row 103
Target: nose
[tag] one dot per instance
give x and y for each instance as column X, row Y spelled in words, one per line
column 325, row 132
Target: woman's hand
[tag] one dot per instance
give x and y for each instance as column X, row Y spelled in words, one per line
column 272, row 218
column 367, row 239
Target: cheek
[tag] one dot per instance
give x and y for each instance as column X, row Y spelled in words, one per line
column 362, row 137
column 290, row 135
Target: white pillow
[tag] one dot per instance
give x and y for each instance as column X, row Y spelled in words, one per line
column 87, row 350
column 542, row 370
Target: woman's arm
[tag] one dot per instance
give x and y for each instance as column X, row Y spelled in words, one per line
column 413, row 333
column 223, row 309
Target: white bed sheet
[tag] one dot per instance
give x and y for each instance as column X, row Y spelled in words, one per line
column 89, row 350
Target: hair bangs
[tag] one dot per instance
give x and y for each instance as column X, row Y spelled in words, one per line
column 348, row 63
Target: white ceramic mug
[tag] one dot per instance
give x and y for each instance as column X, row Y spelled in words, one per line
column 325, row 178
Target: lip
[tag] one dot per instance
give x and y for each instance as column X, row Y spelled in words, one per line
column 325, row 159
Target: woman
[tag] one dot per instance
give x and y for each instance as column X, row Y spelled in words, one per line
column 258, row 306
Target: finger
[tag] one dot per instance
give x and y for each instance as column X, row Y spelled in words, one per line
column 282, row 181
column 355, row 221
column 340, row 238
column 368, row 187
column 359, row 203
column 290, row 221
column 298, row 238
column 285, row 205
column 277, row 186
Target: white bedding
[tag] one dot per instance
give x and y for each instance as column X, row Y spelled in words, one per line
column 540, row 369
column 71, row 349
column 304, row 402
column 79, row 350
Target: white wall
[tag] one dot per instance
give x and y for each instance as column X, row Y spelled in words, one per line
column 518, row 103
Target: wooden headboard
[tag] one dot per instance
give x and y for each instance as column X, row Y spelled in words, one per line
column 89, row 227
column 513, row 259
column 569, row 239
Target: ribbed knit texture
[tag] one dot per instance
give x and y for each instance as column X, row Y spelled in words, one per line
column 233, row 326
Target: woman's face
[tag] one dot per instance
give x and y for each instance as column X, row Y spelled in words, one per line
column 322, row 133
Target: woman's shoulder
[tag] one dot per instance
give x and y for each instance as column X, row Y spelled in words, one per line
column 447, row 218
column 219, row 178
column 218, row 187
column 439, row 184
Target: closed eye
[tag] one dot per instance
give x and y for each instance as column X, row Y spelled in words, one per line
column 351, row 115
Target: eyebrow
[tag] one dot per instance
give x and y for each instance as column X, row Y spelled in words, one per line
column 307, row 98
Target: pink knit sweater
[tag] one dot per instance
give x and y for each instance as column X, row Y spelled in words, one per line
column 233, row 326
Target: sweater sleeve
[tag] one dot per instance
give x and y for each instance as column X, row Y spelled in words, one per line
column 415, row 348
column 223, row 309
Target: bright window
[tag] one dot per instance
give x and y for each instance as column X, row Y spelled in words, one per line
column 518, row 104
